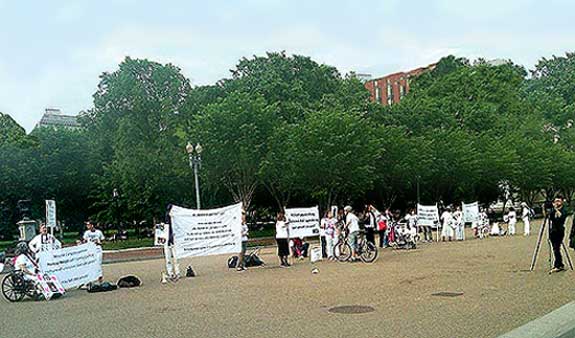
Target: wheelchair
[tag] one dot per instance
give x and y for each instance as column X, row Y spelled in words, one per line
column 15, row 287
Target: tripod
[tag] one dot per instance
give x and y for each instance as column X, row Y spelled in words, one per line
column 544, row 226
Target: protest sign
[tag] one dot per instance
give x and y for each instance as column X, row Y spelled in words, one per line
column 73, row 266
column 161, row 234
column 50, row 213
column 471, row 212
column 427, row 215
column 303, row 222
column 206, row 232
column 315, row 255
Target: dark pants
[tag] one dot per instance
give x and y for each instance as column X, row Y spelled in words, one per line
column 323, row 247
column 369, row 235
column 556, row 238
column 427, row 233
column 382, row 238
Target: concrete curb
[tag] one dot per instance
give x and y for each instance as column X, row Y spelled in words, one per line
column 557, row 324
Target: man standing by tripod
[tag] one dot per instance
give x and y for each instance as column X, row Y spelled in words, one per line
column 557, row 217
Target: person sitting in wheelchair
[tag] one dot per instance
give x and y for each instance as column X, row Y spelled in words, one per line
column 405, row 234
column 25, row 262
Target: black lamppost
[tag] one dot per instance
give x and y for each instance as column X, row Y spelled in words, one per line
column 194, row 155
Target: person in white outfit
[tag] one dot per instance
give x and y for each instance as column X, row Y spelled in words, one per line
column 458, row 224
column 511, row 221
column 44, row 241
column 329, row 226
column 447, row 228
column 526, row 217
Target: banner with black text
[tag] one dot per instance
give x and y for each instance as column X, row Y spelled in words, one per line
column 303, row 222
column 207, row 232
column 427, row 215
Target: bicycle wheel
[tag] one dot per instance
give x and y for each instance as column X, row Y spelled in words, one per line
column 344, row 251
column 13, row 288
column 368, row 252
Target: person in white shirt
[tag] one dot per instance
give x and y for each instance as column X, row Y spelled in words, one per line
column 92, row 234
column 44, row 241
column 282, row 237
column 245, row 230
column 447, row 228
column 411, row 219
column 526, row 217
column 25, row 262
column 352, row 225
column 511, row 221
column 458, row 224
column 329, row 226
column 369, row 221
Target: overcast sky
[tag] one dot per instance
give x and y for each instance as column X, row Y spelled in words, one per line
column 52, row 52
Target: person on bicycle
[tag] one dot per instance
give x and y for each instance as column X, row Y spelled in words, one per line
column 352, row 225
column 25, row 262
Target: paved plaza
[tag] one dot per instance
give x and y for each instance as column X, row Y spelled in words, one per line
column 498, row 296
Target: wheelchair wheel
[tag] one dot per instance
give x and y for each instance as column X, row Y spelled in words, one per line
column 13, row 287
column 344, row 252
column 369, row 253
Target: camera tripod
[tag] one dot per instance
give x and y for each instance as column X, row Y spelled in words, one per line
column 545, row 226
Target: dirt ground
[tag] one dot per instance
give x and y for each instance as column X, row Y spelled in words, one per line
column 498, row 296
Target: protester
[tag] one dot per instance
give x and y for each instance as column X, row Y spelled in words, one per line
column 44, row 241
column 557, row 218
column 242, row 256
column 330, row 225
column 282, row 238
column 411, row 220
column 299, row 248
column 526, row 217
column 322, row 236
column 382, row 227
column 352, row 225
column 511, row 221
column 447, row 225
column 458, row 224
column 92, row 234
column 25, row 262
column 369, row 221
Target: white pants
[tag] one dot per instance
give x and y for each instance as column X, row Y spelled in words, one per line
column 172, row 266
column 527, row 230
column 447, row 231
column 459, row 232
column 330, row 245
column 511, row 228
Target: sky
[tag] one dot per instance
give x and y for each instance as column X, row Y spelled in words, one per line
column 53, row 51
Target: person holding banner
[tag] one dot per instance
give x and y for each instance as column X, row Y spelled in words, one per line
column 25, row 262
column 92, row 234
column 447, row 227
column 282, row 239
column 44, row 241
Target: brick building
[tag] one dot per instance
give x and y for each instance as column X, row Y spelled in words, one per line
column 392, row 88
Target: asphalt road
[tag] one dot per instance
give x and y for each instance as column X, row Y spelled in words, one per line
column 498, row 295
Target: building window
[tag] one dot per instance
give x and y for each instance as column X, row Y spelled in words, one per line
column 401, row 91
column 389, row 94
column 377, row 94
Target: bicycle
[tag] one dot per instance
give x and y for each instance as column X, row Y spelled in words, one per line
column 367, row 251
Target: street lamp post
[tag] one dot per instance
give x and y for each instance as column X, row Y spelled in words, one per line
column 194, row 155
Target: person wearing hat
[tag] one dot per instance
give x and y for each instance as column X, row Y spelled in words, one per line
column 525, row 216
column 352, row 225
column 92, row 234
column 44, row 241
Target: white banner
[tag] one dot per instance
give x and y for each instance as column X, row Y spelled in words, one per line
column 471, row 212
column 427, row 215
column 73, row 266
column 303, row 222
column 207, row 232
column 50, row 213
